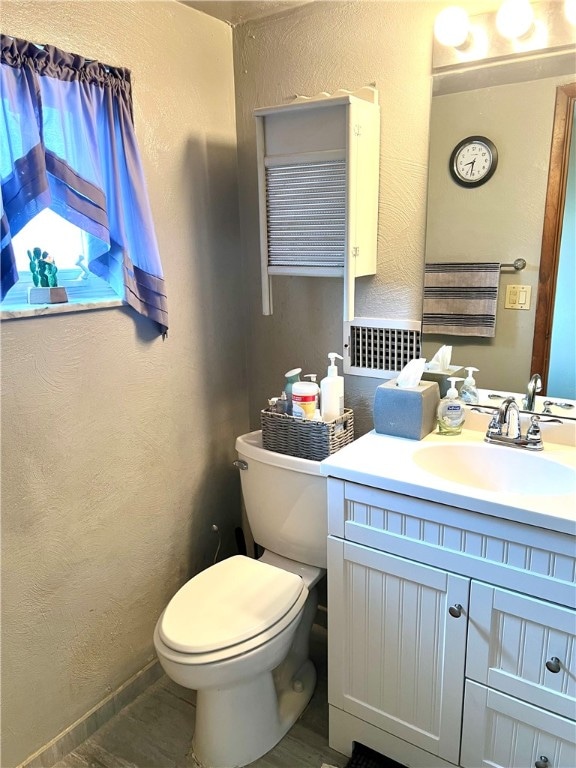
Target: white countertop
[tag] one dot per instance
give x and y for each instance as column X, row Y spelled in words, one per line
column 389, row 463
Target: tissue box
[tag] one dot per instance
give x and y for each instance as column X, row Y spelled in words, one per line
column 441, row 377
column 408, row 412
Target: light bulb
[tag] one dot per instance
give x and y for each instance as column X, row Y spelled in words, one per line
column 570, row 11
column 515, row 19
column 452, row 27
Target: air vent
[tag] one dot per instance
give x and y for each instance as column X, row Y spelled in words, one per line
column 380, row 347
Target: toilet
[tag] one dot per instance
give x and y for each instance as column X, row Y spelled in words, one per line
column 238, row 632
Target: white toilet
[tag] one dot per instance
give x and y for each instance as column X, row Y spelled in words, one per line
column 238, row 632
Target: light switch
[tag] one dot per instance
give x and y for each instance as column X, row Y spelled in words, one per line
column 518, row 296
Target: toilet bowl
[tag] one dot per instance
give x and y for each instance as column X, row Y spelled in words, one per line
column 238, row 632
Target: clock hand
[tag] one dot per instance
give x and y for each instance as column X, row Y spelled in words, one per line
column 472, row 164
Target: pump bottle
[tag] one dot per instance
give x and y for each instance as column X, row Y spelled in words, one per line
column 332, row 391
column 468, row 391
column 451, row 411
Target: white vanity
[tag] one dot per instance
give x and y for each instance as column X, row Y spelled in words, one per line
column 451, row 596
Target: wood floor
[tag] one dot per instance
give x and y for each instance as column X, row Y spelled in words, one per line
column 155, row 730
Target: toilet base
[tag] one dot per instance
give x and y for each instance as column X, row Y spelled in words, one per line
column 238, row 725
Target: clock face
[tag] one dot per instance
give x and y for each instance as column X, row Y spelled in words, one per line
column 473, row 161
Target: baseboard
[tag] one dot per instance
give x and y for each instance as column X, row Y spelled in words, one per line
column 95, row 718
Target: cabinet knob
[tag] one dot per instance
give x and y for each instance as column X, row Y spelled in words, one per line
column 542, row 762
column 553, row 664
column 455, row 611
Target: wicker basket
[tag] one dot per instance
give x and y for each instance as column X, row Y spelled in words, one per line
column 303, row 438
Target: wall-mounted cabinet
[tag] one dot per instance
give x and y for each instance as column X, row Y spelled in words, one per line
column 318, row 162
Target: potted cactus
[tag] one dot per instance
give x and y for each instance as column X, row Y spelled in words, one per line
column 45, row 278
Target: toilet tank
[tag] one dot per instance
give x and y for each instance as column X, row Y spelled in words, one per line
column 285, row 501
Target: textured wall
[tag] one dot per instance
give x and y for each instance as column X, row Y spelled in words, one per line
column 116, row 446
column 323, row 47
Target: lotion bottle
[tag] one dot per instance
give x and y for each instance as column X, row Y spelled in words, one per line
column 451, row 411
column 332, row 391
column 468, row 391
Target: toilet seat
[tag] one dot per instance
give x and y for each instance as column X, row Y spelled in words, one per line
column 231, row 608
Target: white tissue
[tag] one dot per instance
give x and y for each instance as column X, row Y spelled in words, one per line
column 441, row 360
column 411, row 374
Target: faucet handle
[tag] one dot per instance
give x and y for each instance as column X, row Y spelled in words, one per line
column 494, row 427
column 533, row 434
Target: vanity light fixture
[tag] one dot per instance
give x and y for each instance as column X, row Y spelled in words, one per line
column 515, row 19
column 452, row 28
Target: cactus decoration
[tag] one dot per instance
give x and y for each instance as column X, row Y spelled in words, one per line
column 43, row 268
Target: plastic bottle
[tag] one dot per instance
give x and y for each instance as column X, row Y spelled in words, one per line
column 282, row 403
column 451, row 411
column 332, row 391
column 468, row 391
column 292, row 376
column 304, row 395
column 313, row 377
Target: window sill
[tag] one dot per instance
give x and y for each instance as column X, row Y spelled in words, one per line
column 19, row 311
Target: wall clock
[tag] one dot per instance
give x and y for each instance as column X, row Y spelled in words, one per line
column 473, row 161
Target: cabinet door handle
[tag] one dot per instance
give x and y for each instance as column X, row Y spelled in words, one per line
column 455, row 611
column 553, row 665
column 542, row 762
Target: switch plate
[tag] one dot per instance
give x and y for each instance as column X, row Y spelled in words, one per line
column 518, row 296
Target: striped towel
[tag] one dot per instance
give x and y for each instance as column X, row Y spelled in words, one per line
column 460, row 299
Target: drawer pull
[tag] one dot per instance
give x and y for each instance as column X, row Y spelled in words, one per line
column 553, row 665
column 542, row 762
column 455, row 611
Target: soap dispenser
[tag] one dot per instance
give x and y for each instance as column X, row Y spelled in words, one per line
column 468, row 391
column 451, row 411
column 332, row 391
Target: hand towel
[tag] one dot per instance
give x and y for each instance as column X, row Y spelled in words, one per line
column 460, row 299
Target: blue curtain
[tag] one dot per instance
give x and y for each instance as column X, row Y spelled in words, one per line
column 67, row 143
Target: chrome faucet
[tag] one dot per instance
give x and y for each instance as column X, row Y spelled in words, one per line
column 534, row 385
column 505, row 429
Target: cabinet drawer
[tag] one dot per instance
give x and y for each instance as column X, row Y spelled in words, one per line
column 502, row 732
column 513, row 555
column 524, row 647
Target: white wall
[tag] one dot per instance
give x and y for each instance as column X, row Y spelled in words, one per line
column 117, row 446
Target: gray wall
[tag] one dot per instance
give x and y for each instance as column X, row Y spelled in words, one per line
column 323, row 47
column 499, row 221
column 117, row 446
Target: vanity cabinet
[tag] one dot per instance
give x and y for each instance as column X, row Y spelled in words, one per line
column 451, row 633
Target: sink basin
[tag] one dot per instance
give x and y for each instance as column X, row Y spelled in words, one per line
column 497, row 469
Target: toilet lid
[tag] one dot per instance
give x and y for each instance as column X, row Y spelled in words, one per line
column 227, row 604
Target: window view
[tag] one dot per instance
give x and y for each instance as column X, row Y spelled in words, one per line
column 64, row 244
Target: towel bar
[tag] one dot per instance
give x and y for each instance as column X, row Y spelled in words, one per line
column 518, row 265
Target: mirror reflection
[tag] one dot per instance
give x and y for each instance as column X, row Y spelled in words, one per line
column 502, row 220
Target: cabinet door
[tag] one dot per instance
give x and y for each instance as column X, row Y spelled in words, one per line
column 396, row 654
column 524, row 647
column 502, row 732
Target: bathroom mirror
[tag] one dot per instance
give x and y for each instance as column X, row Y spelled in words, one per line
column 502, row 220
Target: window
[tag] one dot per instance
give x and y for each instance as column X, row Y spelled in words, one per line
column 68, row 149
column 66, row 244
